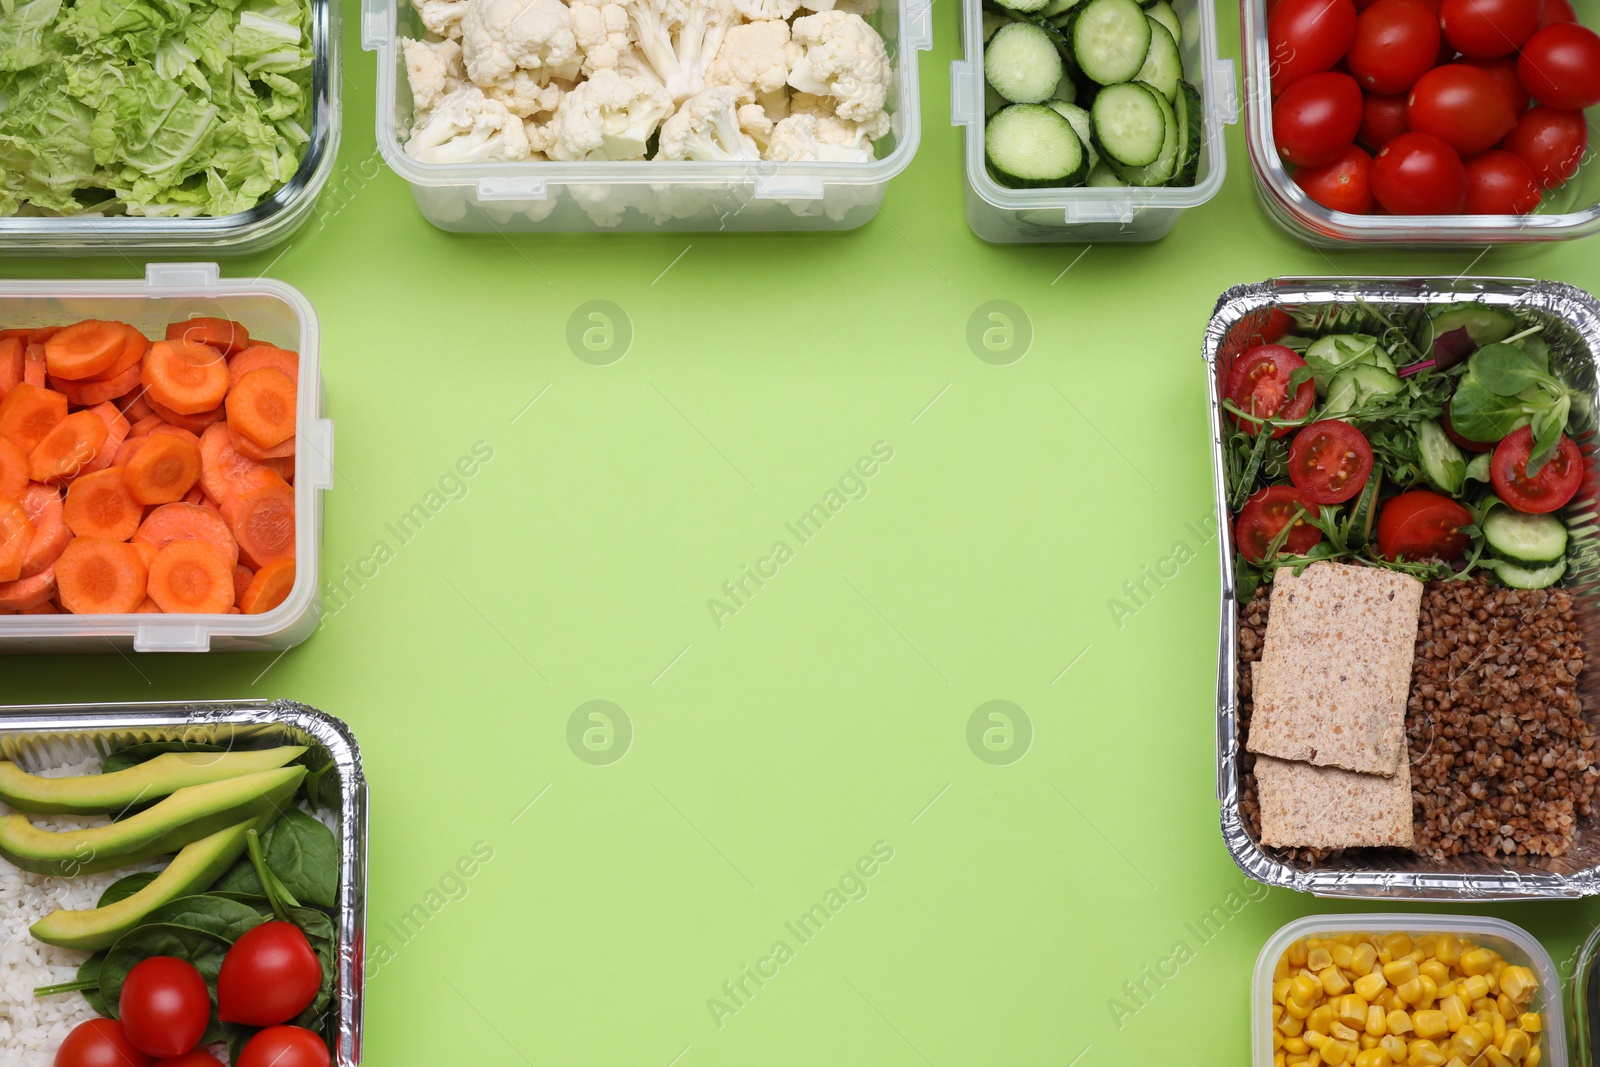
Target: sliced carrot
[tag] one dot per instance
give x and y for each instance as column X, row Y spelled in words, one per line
column 187, row 522
column 68, row 448
column 134, row 346
column 16, row 533
column 147, row 606
column 269, row 588
column 220, row 463
column 99, row 577
column 260, row 512
column 94, row 391
column 195, row 495
column 85, row 348
column 252, row 451
column 13, row 352
column 223, row 334
column 176, row 431
column 185, row 378
column 282, row 466
column 129, row 446
column 50, row 533
column 34, row 367
column 242, row 576
column 99, row 505
column 47, row 608
column 136, row 407
column 25, row 593
column 192, row 577
column 31, row 335
column 147, row 551
column 195, row 424
column 28, row 413
column 143, row 426
column 163, row 469
column 261, row 406
column 257, row 356
column 13, row 470
column 116, row 432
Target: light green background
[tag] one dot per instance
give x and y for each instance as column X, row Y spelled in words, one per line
column 831, row 711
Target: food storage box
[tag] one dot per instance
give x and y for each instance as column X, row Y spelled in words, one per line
column 1585, row 984
column 40, row 737
column 1515, row 944
column 273, row 312
column 1004, row 215
column 1571, row 318
column 1571, row 211
column 630, row 195
column 268, row 223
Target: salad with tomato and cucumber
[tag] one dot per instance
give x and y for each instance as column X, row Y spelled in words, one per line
column 1441, row 450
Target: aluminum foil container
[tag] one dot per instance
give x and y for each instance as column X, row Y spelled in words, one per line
column 1571, row 321
column 43, row 736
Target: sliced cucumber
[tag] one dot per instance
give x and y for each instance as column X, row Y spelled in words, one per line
column 1190, row 114
column 1066, row 92
column 1478, row 468
column 1527, row 577
column 1531, row 540
column 992, row 101
column 1442, row 461
column 1165, row 167
column 1103, row 177
column 1054, row 9
column 1022, row 7
column 1110, row 39
column 1130, row 122
column 993, row 20
column 1029, row 145
column 1022, row 63
column 1082, row 125
column 1163, row 66
column 1484, row 324
column 1332, row 353
column 1162, row 12
column 1366, row 510
column 1355, row 387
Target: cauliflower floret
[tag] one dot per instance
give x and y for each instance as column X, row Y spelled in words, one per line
column 827, row 139
column 756, row 123
column 865, row 8
column 434, row 71
column 756, row 59
column 610, row 116
column 706, row 128
column 605, row 204
column 680, row 38
column 824, row 107
column 500, row 37
column 761, row 10
column 442, row 17
column 541, row 133
column 468, row 127
column 601, row 27
column 843, row 59
column 526, row 95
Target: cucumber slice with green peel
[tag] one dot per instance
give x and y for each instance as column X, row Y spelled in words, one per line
column 1109, row 39
column 1031, row 146
column 1054, row 9
column 1518, row 577
column 1484, row 323
column 1165, row 167
column 1066, row 91
column 1103, row 177
column 1442, row 461
column 1162, row 12
column 1021, row 7
column 1082, row 125
column 1191, row 121
column 1533, row 541
column 1163, row 66
column 1340, row 350
column 1357, row 386
column 1130, row 123
column 1022, row 63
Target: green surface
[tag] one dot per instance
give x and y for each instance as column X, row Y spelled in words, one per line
column 830, row 712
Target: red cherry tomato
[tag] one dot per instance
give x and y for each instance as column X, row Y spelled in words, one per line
column 1265, row 515
column 1503, row 70
column 99, row 1043
column 1556, row 483
column 1330, row 461
column 285, row 1046
column 1560, row 65
column 1483, row 29
column 165, row 1006
column 1383, row 118
column 1499, row 183
column 1557, row 11
column 1343, row 185
column 1316, row 118
column 1550, row 141
column 1466, row 443
column 1418, row 174
column 1422, row 525
column 1308, row 36
column 197, row 1058
column 1278, row 324
column 1396, row 43
column 1462, row 106
column 1259, row 384
column 269, row 976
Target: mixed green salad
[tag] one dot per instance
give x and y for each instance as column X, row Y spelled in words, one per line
column 151, row 107
column 1441, row 450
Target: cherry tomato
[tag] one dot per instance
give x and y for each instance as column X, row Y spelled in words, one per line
column 1422, row 525
column 1556, row 483
column 1483, row 29
column 1557, row 11
column 285, row 1046
column 1466, row 443
column 1308, row 36
column 269, row 976
column 1396, row 43
column 1278, row 324
column 1316, row 118
column 165, row 1006
column 1418, row 174
column 1550, row 141
column 99, row 1043
column 1503, row 70
column 1499, row 183
column 1343, row 185
column 1383, row 118
column 1265, row 515
column 1560, row 65
column 1259, row 384
column 1463, row 106
column 1330, row 461
column 197, row 1058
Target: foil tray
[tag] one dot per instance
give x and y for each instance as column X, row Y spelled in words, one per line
column 42, row 736
column 1571, row 321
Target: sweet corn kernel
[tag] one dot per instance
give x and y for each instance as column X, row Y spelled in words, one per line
column 1316, row 1039
column 1280, row 969
column 1314, row 1060
column 1493, row 1057
column 1430, row 1024
column 1344, row 1033
column 1296, row 1045
column 1506, row 1005
column 1363, row 958
column 1455, row 1061
column 1352, row 1010
column 1398, row 944
column 1455, row 1011
column 1518, row 983
column 1319, row 958
column 1334, row 983
column 1395, row 1046
column 1430, row 990
column 1297, row 1009
column 1435, row 970
column 1529, row 1022
column 1515, row 1045
column 1476, row 961
column 1296, row 954
column 1376, row 1057
column 1535, row 1055
column 1474, row 988
column 1424, row 1053
column 1366, row 1041
column 1304, row 989
column 1278, row 1060
column 1335, row 1053
column 1498, row 1028
column 1321, row 1018
column 1376, row 1026
column 1368, row 986
column 1277, row 1040
column 1280, row 990
column 1342, row 954
column 1448, row 989
column 1400, row 972
column 1399, row 1023
column 1468, row 1043
column 1448, row 949
column 1291, row 1026
column 1296, row 1061
column 1427, row 944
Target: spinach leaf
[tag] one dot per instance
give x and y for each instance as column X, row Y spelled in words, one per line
column 204, row 950
column 1505, row 369
column 90, row 972
column 302, row 853
column 123, row 888
column 227, row 919
column 318, row 928
column 237, row 1036
column 134, row 755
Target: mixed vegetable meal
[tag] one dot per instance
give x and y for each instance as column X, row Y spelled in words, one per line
column 1088, row 92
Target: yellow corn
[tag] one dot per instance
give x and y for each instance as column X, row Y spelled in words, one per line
column 1427, row 944
column 1335, row 1053
column 1468, row 1043
column 1316, row 1039
column 1519, row 984
column 1291, row 1026
column 1498, row 1028
column 1296, row 954
column 1319, row 958
column 1320, row 1019
column 1474, row 988
column 1507, row 1006
column 1400, row 972
column 1395, row 1046
column 1399, row 1023
column 1515, row 1045
column 1342, row 954
column 1455, row 1061
column 1455, row 1011
column 1304, row 989
column 1448, row 950
column 1368, row 986
column 1476, row 961
column 1430, row 990
column 1352, row 1010
column 1424, row 1053
column 1363, row 958
column 1410, row 992
column 1448, row 989
column 1435, row 970
column 1398, row 944
column 1297, row 1009
column 1377, row 1025
column 1366, row 1041
column 1296, row 1045
column 1334, row 983
column 1375, row 1057
column 1529, row 1022
column 1492, row 1057
column 1280, row 969
column 1344, row 1033
column 1430, row 1024
column 1535, row 1054
column 1280, row 990
column 1278, row 1060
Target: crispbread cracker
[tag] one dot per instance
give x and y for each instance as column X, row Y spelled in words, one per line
column 1322, row 715
column 1325, row 807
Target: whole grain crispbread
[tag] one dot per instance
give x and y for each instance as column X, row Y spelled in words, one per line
column 1326, row 807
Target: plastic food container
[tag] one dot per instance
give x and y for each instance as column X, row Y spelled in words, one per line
column 268, row 223
column 1571, row 318
column 633, row 195
column 1512, row 942
column 38, row 737
column 1586, row 1000
column 1571, row 211
column 1008, row 216
column 273, row 312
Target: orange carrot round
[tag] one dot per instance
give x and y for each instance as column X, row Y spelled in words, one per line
column 261, row 406
column 147, row 607
column 242, row 577
column 260, row 512
column 162, row 470
column 16, row 533
column 220, row 463
column 191, row 577
column 187, row 522
column 187, row 378
column 252, row 451
column 67, row 449
column 50, row 534
column 195, row 424
column 269, row 588
column 257, row 356
column 34, row 367
column 97, row 577
column 116, row 432
column 47, row 608
column 92, row 391
column 135, row 407
column 13, row 470
column 25, row 593
column 223, row 334
column 28, row 413
column 13, row 352
column 99, row 505
column 134, row 346
column 84, row 349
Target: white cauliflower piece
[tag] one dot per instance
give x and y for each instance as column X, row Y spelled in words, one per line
column 762, row 10
column 468, row 127
column 601, row 27
column 865, row 8
column 434, row 70
column 825, row 139
column 610, row 116
column 823, row 107
column 680, row 38
column 442, row 18
column 605, row 204
column 843, row 59
column 756, row 123
column 706, row 128
column 501, row 37
column 527, row 96
column 541, row 134
column 756, row 59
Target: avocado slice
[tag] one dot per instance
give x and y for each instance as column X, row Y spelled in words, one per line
column 181, row 819
column 104, row 794
column 194, row 870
